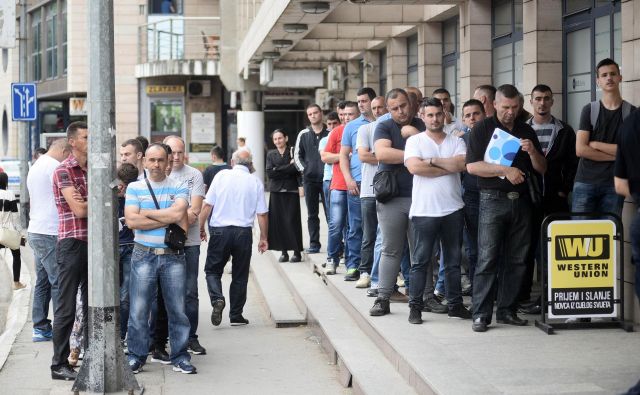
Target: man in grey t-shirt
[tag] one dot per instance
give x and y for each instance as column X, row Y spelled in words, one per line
column 195, row 184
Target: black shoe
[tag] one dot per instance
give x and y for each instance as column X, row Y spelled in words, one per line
column 160, row 355
column 380, row 307
column 65, row 372
column 415, row 316
column 459, row 311
column 372, row 292
column 313, row 250
column 352, row 275
column 479, row 325
column 296, row 257
column 284, row 257
column 216, row 314
column 195, row 347
column 529, row 309
column 511, row 320
column 431, row 305
column 239, row 320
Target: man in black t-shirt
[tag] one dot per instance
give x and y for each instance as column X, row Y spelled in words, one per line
column 217, row 157
column 593, row 189
column 505, row 210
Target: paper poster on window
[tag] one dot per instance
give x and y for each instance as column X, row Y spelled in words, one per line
column 203, row 128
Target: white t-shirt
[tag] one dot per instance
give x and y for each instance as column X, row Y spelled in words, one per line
column 435, row 196
column 365, row 140
column 192, row 179
column 43, row 212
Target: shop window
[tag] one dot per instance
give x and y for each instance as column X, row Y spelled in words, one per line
column 412, row 60
column 592, row 32
column 36, row 45
column 166, row 118
column 507, row 43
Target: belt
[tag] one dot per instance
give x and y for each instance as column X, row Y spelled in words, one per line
column 158, row 251
column 508, row 195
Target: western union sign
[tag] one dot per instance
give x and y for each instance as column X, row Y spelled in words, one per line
column 582, row 269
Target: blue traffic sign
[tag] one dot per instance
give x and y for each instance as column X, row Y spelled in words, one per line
column 23, row 102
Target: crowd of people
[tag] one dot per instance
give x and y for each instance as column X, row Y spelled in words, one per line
column 406, row 188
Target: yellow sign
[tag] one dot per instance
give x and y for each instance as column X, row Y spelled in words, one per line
column 582, row 268
column 164, row 89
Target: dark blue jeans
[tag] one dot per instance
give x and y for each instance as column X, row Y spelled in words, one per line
column 501, row 220
column 125, row 276
column 225, row 242
column 635, row 245
column 369, row 228
column 192, row 256
column 337, row 225
column 591, row 198
column 46, row 288
column 313, row 195
column 146, row 269
column 428, row 230
column 354, row 231
column 471, row 201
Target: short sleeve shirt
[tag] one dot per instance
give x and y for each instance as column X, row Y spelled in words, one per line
column 167, row 192
column 328, row 169
column 192, row 180
column 365, row 140
column 390, row 130
column 210, row 172
column 69, row 174
column 333, row 146
column 349, row 139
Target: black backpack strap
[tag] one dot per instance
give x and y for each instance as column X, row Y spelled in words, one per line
column 153, row 195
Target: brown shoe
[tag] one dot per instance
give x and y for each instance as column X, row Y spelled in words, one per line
column 18, row 285
column 398, row 297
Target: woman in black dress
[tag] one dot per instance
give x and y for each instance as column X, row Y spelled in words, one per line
column 285, row 227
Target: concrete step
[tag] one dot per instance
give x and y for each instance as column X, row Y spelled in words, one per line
column 283, row 310
column 361, row 363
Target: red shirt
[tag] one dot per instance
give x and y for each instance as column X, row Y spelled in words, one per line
column 70, row 174
column 333, row 146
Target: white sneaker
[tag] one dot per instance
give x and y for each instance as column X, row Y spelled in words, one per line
column 364, row 281
column 331, row 268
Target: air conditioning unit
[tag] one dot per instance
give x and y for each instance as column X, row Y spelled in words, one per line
column 335, row 77
column 199, row 88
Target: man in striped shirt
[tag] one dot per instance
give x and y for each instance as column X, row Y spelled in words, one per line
column 152, row 260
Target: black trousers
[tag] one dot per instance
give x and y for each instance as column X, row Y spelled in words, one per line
column 313, row 194
column 16, row 263
column 72, row 264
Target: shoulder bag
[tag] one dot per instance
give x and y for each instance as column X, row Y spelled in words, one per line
column 9, row 238
column 385, row 185
column 174, row 236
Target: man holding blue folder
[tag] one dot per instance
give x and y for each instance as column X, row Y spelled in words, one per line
column 505, row 206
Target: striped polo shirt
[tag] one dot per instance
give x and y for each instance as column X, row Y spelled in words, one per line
column 167, row 192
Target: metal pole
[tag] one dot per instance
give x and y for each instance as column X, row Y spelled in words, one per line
column 23, row 127
column 104, row 368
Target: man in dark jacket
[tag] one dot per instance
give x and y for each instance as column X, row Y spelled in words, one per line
column 307, row 160
column 558, row 142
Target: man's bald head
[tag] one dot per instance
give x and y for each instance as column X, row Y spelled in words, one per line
column 59, row 149
column 242, row 157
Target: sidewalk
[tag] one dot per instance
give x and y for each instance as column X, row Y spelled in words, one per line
column 257, row 358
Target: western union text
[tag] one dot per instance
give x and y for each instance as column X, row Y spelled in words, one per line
column 582, row 270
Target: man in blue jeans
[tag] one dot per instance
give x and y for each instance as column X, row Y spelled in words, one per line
column 436, row 160
column 505, row 210
column 150, row 206
column 43, row 236
column 234, row 199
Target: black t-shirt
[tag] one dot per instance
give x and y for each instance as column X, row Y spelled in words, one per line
column 627, row 163
column 606, row 131
column 390, row 130
column 478, row 142
column 211, row 172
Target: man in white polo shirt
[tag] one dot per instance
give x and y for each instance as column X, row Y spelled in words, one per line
column 235, row 197
column 43, row 235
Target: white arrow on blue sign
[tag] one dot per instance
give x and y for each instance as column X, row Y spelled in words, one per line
column 23, row 102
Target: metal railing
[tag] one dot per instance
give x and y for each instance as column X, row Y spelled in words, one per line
column 179, row 38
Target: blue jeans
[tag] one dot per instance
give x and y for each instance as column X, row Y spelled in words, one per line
column 596, row 198
column 192, row 256
column 146, row 269
column 354, row 231
column 46, row 288
column 471, row 209
column 501, row 219
column 635, row 245
column 225, row 242
column 327, row 196
column 125, row 276
column 428, row 230
column 337, row 223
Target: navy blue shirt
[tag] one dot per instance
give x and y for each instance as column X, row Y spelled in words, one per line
column 125, row 236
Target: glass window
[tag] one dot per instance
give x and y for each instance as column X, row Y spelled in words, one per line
column 36, row 46
column 579, row 79
column 577, row 5
column 502, row 18
column 412, row 60
column 52, row 41
column 166, row 118
column 165, row 7
column 449, row 37
column 63, row 28
column 451, row 61
column 502, row 65
column 507, row 43
column 617, row 38
column 383, row 71
column 517, row 65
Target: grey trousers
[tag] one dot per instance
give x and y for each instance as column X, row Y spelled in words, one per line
column 396, row 229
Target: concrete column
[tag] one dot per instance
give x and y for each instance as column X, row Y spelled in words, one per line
column 251, row 126
column 372, row 71
column 542, row 49
column 475, row 46
column 397, row 63
column 354, row 82
column 429, row 57
column 631, row 92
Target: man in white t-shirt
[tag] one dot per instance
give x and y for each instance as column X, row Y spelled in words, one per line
column 436, row 159
column 43, row 236
column 192, row 178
